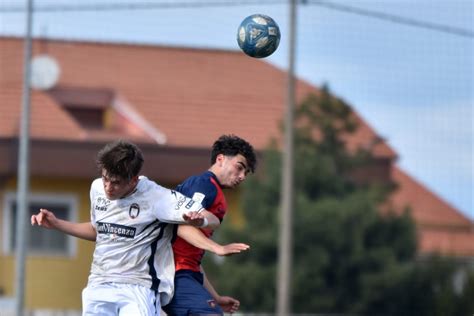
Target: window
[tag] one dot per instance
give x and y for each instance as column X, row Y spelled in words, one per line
column 88, row 106
column 88, row 118
column 40, row 241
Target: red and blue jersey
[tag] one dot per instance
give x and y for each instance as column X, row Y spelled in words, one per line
column 206, row 189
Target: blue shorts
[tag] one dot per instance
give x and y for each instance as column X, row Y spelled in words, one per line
column 191, row 297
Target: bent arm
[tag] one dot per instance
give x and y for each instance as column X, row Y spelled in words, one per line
column 175, row 208
column 196, row 237
column 212, row 221
column 80, row 230
column 209, row 286
column 227, row 303
column 201, row 218
column 48, row 220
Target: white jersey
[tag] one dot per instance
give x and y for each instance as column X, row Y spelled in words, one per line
column 131, row 230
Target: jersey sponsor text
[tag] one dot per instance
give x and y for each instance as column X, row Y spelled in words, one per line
column 119, row 230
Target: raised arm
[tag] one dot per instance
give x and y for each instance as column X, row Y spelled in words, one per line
column 196, row 238
column 47, row 219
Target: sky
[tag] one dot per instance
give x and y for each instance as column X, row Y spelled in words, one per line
column 406, row 67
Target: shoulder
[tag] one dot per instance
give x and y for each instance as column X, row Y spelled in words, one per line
column 145, row 184
column 97, row 185
column 156, row 194
column 200, row 188
column 203, row 179
column 198, row 183
column 149, row 187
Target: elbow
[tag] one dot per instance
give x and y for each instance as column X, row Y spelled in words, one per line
column 213, row 221
column 214, row 224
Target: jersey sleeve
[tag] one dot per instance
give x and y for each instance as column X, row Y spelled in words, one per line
column 202, row 190
column 170, row 206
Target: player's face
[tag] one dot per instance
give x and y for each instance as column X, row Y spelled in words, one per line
column 233, row 170
column 116, row 187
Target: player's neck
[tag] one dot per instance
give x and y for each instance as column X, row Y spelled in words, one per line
column 215, row 172
column 131, row 191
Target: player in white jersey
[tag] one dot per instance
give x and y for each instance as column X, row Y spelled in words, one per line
column 133, row 258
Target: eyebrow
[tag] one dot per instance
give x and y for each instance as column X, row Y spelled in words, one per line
column 244, row 165
column 111, row 178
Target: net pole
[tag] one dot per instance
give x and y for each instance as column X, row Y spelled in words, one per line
column 285, row 252
column 23, row 171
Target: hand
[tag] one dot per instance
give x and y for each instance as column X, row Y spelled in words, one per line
column 44, row 218
column 231, row 249
column 228, row 304
column 194, row 218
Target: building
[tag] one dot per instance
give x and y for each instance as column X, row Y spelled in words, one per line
column 173, row 102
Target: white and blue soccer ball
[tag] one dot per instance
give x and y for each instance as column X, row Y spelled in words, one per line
column 258, row 35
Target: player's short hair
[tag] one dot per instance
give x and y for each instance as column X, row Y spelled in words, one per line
column 232, row 145
column 120, row 159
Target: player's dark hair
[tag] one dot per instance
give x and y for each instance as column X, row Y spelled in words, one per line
column 120, row 159
column 231, row 145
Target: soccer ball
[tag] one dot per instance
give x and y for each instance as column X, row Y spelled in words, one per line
column 258, row 35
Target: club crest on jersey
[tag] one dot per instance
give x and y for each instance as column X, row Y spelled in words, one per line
column 134, row 210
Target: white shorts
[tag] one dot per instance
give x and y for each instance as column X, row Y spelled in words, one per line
column 119, row 299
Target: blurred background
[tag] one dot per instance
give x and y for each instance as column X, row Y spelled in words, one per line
column 383, row 178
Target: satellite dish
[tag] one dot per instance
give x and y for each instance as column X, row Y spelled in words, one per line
column 45, row 72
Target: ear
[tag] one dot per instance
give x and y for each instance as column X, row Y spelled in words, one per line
column 220, row 159
column 134, row 181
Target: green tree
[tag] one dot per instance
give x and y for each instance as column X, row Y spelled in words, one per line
column 347, row 256
column 424, row 287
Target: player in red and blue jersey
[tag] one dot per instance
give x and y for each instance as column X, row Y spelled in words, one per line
column 232, row 159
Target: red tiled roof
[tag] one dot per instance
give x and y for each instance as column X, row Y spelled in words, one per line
column 47, row 120
column 447, row 242
column 441, row 227
column 191, row 96
column 428, row 208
